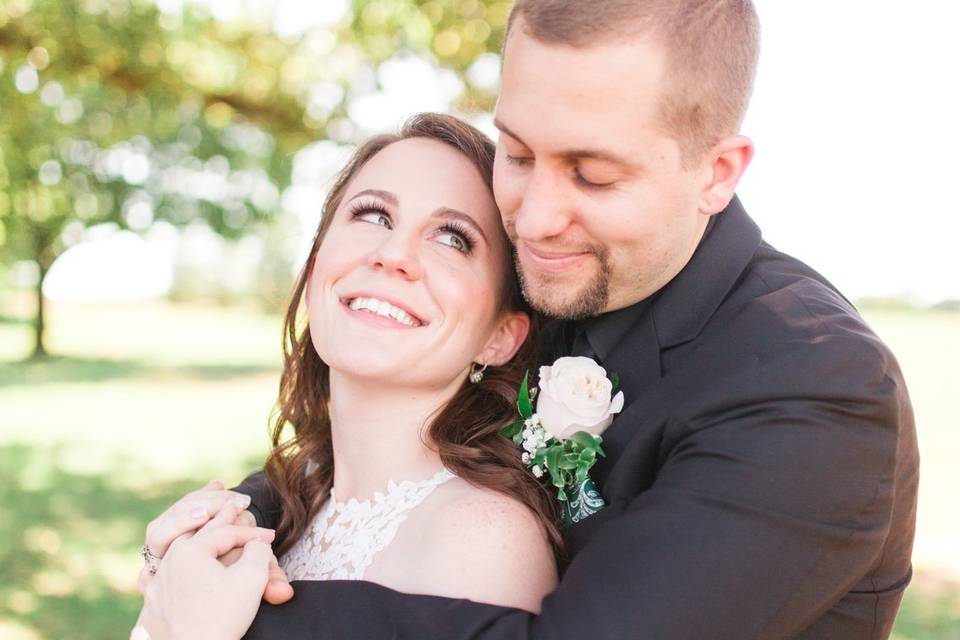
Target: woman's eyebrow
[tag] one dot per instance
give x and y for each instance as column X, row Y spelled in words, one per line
column 387, row 196
column 443, row 212
column 447, row 212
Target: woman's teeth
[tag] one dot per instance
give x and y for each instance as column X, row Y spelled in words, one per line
column 385, row 309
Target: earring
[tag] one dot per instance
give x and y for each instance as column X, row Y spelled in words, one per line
column 476, row 374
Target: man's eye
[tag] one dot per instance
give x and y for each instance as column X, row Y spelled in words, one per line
column 588, row 183
column 519, row 160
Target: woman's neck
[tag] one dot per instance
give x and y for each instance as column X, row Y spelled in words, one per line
column 379, row 434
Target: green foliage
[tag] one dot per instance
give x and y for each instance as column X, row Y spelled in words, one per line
column 112, row 111
column 524, row 399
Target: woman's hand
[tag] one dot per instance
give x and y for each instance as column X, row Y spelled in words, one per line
column 193, row 595
column 189, row 513
column 192, row 512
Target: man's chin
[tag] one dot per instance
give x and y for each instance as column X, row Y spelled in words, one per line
column 569, row 294
column 565, row 301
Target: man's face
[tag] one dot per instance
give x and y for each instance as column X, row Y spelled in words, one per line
column 590, row 185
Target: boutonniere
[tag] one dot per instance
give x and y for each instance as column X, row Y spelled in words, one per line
column 575, row 402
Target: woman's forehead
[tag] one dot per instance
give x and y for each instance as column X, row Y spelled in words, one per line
column 428, row 174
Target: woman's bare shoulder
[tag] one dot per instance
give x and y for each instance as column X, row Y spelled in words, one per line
column 488, row 547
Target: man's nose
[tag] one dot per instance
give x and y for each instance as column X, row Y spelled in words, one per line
column 397, row 254
column 543, row 211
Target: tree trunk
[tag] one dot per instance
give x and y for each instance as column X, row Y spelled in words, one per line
column 39, row 321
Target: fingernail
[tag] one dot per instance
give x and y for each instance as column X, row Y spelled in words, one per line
column 199, row 513
column 242, row 501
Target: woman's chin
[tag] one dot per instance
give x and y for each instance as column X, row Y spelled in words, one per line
column 380, row 371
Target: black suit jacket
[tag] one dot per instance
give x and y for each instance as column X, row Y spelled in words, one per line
column 761, row 480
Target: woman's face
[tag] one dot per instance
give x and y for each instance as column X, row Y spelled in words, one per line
column 406, row 283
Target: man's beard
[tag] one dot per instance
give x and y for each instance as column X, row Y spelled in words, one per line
column 590, row 300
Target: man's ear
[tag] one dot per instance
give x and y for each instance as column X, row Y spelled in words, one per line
column 729, row 158
column 505, row 341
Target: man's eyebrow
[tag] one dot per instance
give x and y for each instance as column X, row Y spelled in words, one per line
column 502, row 128
column 447, row 212
column 571, row 154
column 386, row 196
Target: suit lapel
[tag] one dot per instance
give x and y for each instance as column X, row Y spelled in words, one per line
column 677, row 315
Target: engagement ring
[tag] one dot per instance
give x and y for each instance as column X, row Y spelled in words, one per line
column 149, row 559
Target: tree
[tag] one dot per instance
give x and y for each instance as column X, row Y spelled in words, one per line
column 113, row 111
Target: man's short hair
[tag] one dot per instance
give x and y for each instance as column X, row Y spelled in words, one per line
column 711, row 54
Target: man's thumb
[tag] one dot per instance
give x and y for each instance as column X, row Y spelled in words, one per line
column 254, row 563
column 278, row 589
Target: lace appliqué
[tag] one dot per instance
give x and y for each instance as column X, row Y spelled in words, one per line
column 343, row 538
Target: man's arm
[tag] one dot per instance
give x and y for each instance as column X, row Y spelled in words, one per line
column 264, row 500
column 765, row 512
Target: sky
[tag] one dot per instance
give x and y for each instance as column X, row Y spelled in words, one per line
column 854, row 117
column 856, row 120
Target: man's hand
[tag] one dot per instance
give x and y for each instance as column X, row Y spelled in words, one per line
column 278, row 589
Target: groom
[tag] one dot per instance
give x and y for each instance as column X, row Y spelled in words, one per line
column 761, row 481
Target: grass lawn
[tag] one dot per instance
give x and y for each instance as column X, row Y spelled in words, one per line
column 145, row 401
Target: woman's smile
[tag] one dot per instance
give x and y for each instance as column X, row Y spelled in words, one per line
column 380, row 312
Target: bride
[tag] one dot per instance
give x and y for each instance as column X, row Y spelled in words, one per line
column 386, row 454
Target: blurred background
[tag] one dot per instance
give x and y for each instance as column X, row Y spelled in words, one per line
column 162, row 167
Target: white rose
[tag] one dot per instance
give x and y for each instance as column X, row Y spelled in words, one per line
column 575, row 396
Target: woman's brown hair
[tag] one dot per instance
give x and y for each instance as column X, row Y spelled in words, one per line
column 464, row 432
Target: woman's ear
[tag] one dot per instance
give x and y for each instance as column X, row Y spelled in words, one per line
column 505, row 341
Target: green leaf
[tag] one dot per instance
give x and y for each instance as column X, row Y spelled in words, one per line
column 512, row 429
column 586, row 440
column 582, row 473
column 615, row 381
column 569, row 461
column 524, row 405
column 553, row 460
column 561, row 495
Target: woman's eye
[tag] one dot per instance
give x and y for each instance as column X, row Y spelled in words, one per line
column 374, row 217
column 453, row 240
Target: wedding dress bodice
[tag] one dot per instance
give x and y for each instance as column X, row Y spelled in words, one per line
column 342, row 539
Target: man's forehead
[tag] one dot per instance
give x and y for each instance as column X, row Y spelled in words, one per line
column 595, row 99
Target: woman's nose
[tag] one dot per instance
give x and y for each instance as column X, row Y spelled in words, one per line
column 397, row 254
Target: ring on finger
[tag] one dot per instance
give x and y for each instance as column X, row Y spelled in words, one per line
column 150, row 559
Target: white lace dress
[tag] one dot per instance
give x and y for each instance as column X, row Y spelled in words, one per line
column 343, row 538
